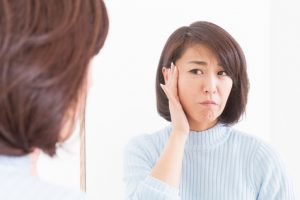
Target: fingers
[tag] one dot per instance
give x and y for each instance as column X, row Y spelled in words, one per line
column 174, row 78
column 170, row 87
column 165, row 72
column 165, row 91
column 168, row 73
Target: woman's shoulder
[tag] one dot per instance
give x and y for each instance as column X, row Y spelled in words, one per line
column 58, row 192
column 267, row 167
column 258, row 148
column 263, row 151
column 22, row 186
column 268, row 173
column 246, row 138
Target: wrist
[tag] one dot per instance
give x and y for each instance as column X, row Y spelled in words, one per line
column 179, row 137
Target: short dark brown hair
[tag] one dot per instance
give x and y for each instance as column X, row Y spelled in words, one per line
column 45, row 50
column 227, row 51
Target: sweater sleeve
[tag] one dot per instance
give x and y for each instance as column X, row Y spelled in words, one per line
column 270, row 177
column 140, row 185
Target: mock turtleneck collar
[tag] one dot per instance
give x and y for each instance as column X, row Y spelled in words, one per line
column 210, row 138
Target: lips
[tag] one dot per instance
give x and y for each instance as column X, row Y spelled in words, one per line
column 208, row 102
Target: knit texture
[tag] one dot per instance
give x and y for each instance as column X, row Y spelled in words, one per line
column 220, row 163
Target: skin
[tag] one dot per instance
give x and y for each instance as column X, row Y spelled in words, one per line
column 201, row 79
column 34, row 155
column 197, row 89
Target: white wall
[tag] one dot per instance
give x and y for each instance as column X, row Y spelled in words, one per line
column 121, row 102
column 285, row 81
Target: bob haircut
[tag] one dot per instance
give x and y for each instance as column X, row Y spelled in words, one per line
column 227, row 51
column 45, row 50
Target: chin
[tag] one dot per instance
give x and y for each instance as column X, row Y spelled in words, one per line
column 207, row 118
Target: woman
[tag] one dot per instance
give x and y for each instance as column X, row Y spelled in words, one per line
column 45, row 50
column 202, row 89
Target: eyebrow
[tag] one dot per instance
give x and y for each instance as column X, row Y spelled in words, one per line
column 198, row 62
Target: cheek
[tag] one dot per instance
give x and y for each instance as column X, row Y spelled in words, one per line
column 186, row 88
column 226, row 89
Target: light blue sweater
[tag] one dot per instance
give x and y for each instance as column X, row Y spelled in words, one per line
column 220, row 163
column 16, row 183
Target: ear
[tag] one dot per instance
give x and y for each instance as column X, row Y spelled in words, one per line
column 165, row 73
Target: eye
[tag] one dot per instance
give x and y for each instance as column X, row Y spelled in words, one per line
column 222, row 73
column 196, row 71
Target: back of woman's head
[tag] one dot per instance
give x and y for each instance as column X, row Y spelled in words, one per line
column 45, row 49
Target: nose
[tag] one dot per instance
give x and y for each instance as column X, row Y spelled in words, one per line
column 210, row 84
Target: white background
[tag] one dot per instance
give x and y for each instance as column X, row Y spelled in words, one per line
column 121, row 102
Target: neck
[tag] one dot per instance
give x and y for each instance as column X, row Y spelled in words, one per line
column 34, row 155
column 201, row 126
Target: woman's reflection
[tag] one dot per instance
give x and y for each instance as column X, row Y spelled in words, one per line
column 202, row 87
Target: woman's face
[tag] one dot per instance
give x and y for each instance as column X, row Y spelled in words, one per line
column 203, row 86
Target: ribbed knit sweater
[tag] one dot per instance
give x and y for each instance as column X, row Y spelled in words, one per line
column 220, row 163
column 16, row 183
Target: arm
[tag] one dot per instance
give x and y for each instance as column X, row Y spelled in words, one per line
column 139, row 159
column 148, row 178
column 168, row 167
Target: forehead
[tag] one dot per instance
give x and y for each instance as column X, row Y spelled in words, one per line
column 198, row 52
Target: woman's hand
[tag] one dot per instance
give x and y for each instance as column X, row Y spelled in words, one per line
column 168, row 166
column 179, row 120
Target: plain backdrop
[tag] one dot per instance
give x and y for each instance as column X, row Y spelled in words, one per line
column 121, row 103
